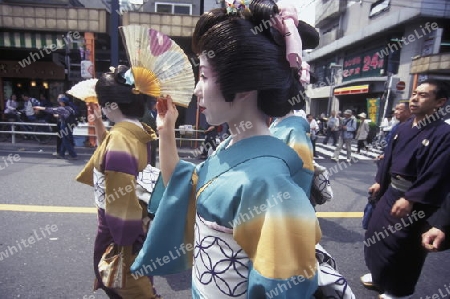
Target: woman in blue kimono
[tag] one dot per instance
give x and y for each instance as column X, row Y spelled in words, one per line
column 239, row 218
column 294, row 131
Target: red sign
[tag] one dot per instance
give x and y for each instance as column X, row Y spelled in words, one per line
column 400, row 85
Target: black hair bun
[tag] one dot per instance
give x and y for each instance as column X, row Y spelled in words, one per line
column 119, row 74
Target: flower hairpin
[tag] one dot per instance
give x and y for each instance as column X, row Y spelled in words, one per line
column 235, row 6
column 129, row 78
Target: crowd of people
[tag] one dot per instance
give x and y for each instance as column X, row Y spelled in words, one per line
column 64, row 114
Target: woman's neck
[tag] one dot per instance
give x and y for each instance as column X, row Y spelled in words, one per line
column 291, row 113
column 119, row 117
column 253, row 126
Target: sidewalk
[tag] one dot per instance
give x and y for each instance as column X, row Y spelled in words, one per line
column 32, row 146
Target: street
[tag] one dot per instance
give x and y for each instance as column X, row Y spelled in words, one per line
column 49, row 223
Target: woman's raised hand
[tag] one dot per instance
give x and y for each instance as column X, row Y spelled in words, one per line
column 167, row 114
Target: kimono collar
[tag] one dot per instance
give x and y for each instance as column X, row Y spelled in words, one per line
column 144, row 135
column 225, row 159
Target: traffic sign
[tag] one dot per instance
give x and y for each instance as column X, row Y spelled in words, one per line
column 400, row 85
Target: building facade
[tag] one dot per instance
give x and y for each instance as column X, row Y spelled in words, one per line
column 373, row 53
column 46, row 46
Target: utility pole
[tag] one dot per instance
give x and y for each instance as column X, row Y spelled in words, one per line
column 385, row 102
column 114, row 32
column 333, row 68
column 202, row 6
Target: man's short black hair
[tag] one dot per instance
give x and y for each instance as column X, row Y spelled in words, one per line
column 442, row 88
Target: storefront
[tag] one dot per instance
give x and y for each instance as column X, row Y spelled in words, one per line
column 32, row 63
column 45, row 78
column 364, row 80
column 364, row 95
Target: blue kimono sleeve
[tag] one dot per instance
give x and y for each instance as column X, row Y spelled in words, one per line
column 277, row 227
column 169, row 244
column 291, row 288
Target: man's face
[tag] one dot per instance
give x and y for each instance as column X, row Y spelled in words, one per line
column 401, row 112
column 347, row 115
column 333, row 113
column 423, row 100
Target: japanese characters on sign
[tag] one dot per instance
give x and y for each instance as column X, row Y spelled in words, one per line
column 368, row 64
column 373, row 108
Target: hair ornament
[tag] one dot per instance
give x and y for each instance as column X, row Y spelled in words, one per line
column 235, row 6
column 129, row 78
column 304, row 73
column 286, row 23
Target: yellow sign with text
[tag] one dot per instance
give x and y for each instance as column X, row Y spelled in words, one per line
column 373, row 108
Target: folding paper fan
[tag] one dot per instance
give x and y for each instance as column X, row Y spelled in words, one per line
column 85, row 91
column 160, row 67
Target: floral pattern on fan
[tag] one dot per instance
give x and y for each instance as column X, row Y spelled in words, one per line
column 159, row 43
column 159, row 65
column 169, row 71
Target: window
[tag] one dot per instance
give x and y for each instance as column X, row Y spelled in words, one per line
column 182, row 9
column 378, row 7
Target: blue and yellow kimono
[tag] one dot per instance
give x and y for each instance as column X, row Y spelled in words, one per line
column 294, row 131
column 240, row 220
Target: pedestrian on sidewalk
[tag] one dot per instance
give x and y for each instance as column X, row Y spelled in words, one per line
column 411, row 183
column 66, row 122
column 313, row 132
column 332, row 129
column 402, row 114
column 362, row 133
column 348, row 128
column 112, row 170
column 11, row 106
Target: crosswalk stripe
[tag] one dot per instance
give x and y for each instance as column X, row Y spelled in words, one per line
column 327, row 151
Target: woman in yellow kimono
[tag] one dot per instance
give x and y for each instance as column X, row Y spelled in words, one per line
column 122, row 154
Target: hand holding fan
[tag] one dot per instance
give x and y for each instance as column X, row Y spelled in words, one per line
column 159, row 66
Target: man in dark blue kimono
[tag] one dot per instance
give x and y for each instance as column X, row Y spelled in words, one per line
column 411, row 184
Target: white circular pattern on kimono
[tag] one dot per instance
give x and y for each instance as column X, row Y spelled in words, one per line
column 147, row 178
column 99, row 189
column 220, row 264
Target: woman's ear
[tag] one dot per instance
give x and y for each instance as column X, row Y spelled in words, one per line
column 245, row 95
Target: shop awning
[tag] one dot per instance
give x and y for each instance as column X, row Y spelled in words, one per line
column 352, row 90
column 34, row 40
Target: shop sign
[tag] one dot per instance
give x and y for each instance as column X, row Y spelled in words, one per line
column 367, row 64
column 373, row 108
column 36, row 70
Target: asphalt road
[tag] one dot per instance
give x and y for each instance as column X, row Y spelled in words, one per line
column 50, row 251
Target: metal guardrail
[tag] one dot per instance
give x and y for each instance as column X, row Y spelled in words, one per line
column 184, row 134
column 13, row 124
